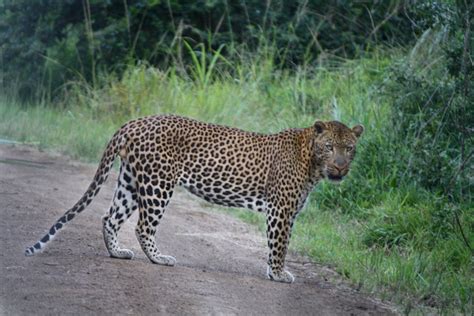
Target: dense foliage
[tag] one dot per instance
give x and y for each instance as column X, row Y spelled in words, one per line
column 435, row 113
column 45, row 43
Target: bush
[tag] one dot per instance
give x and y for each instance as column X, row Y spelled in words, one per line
column 47, row 43
column 433, row 112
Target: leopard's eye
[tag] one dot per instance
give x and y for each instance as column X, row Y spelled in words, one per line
column 350, row 147
column 328, row 146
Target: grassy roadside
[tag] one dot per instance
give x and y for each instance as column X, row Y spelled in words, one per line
column 385, row 234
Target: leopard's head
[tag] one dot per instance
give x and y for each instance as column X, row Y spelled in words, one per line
column 335, row 147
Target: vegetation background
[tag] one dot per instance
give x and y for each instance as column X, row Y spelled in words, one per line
column 401, row 225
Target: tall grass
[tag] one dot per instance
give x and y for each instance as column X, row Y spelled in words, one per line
column 377, row 229
column 71, row 132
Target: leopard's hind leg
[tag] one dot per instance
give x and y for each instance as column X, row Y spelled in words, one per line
column 123, row 205
column 154, row 196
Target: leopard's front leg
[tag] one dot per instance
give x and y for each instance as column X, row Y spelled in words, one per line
column 278, row 234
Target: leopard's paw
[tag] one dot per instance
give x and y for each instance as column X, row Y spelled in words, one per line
column 280, row 276
column 122, row 254
column 163, row 260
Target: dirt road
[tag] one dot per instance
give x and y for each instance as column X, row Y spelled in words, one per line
column 220, row 269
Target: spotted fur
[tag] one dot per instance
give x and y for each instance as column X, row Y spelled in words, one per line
column 271, row 173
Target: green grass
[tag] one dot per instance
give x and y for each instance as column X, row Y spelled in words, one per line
column 392, row 253
column 70, row 132
column 378, row 229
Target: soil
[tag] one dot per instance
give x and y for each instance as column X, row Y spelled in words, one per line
column 220, row 260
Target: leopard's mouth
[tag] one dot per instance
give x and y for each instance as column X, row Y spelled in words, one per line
column 335, row 178
column 335, row 175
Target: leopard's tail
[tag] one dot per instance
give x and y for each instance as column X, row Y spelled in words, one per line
column 113, row 148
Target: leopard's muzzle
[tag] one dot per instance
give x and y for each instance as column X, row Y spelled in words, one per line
column 337, row 169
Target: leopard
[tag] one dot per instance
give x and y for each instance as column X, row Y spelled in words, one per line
column 269, row 173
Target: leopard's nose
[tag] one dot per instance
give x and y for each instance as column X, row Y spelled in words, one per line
column 340, row 163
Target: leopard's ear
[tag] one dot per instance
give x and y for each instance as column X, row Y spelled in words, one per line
column 319, row 127
column 358, row 130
